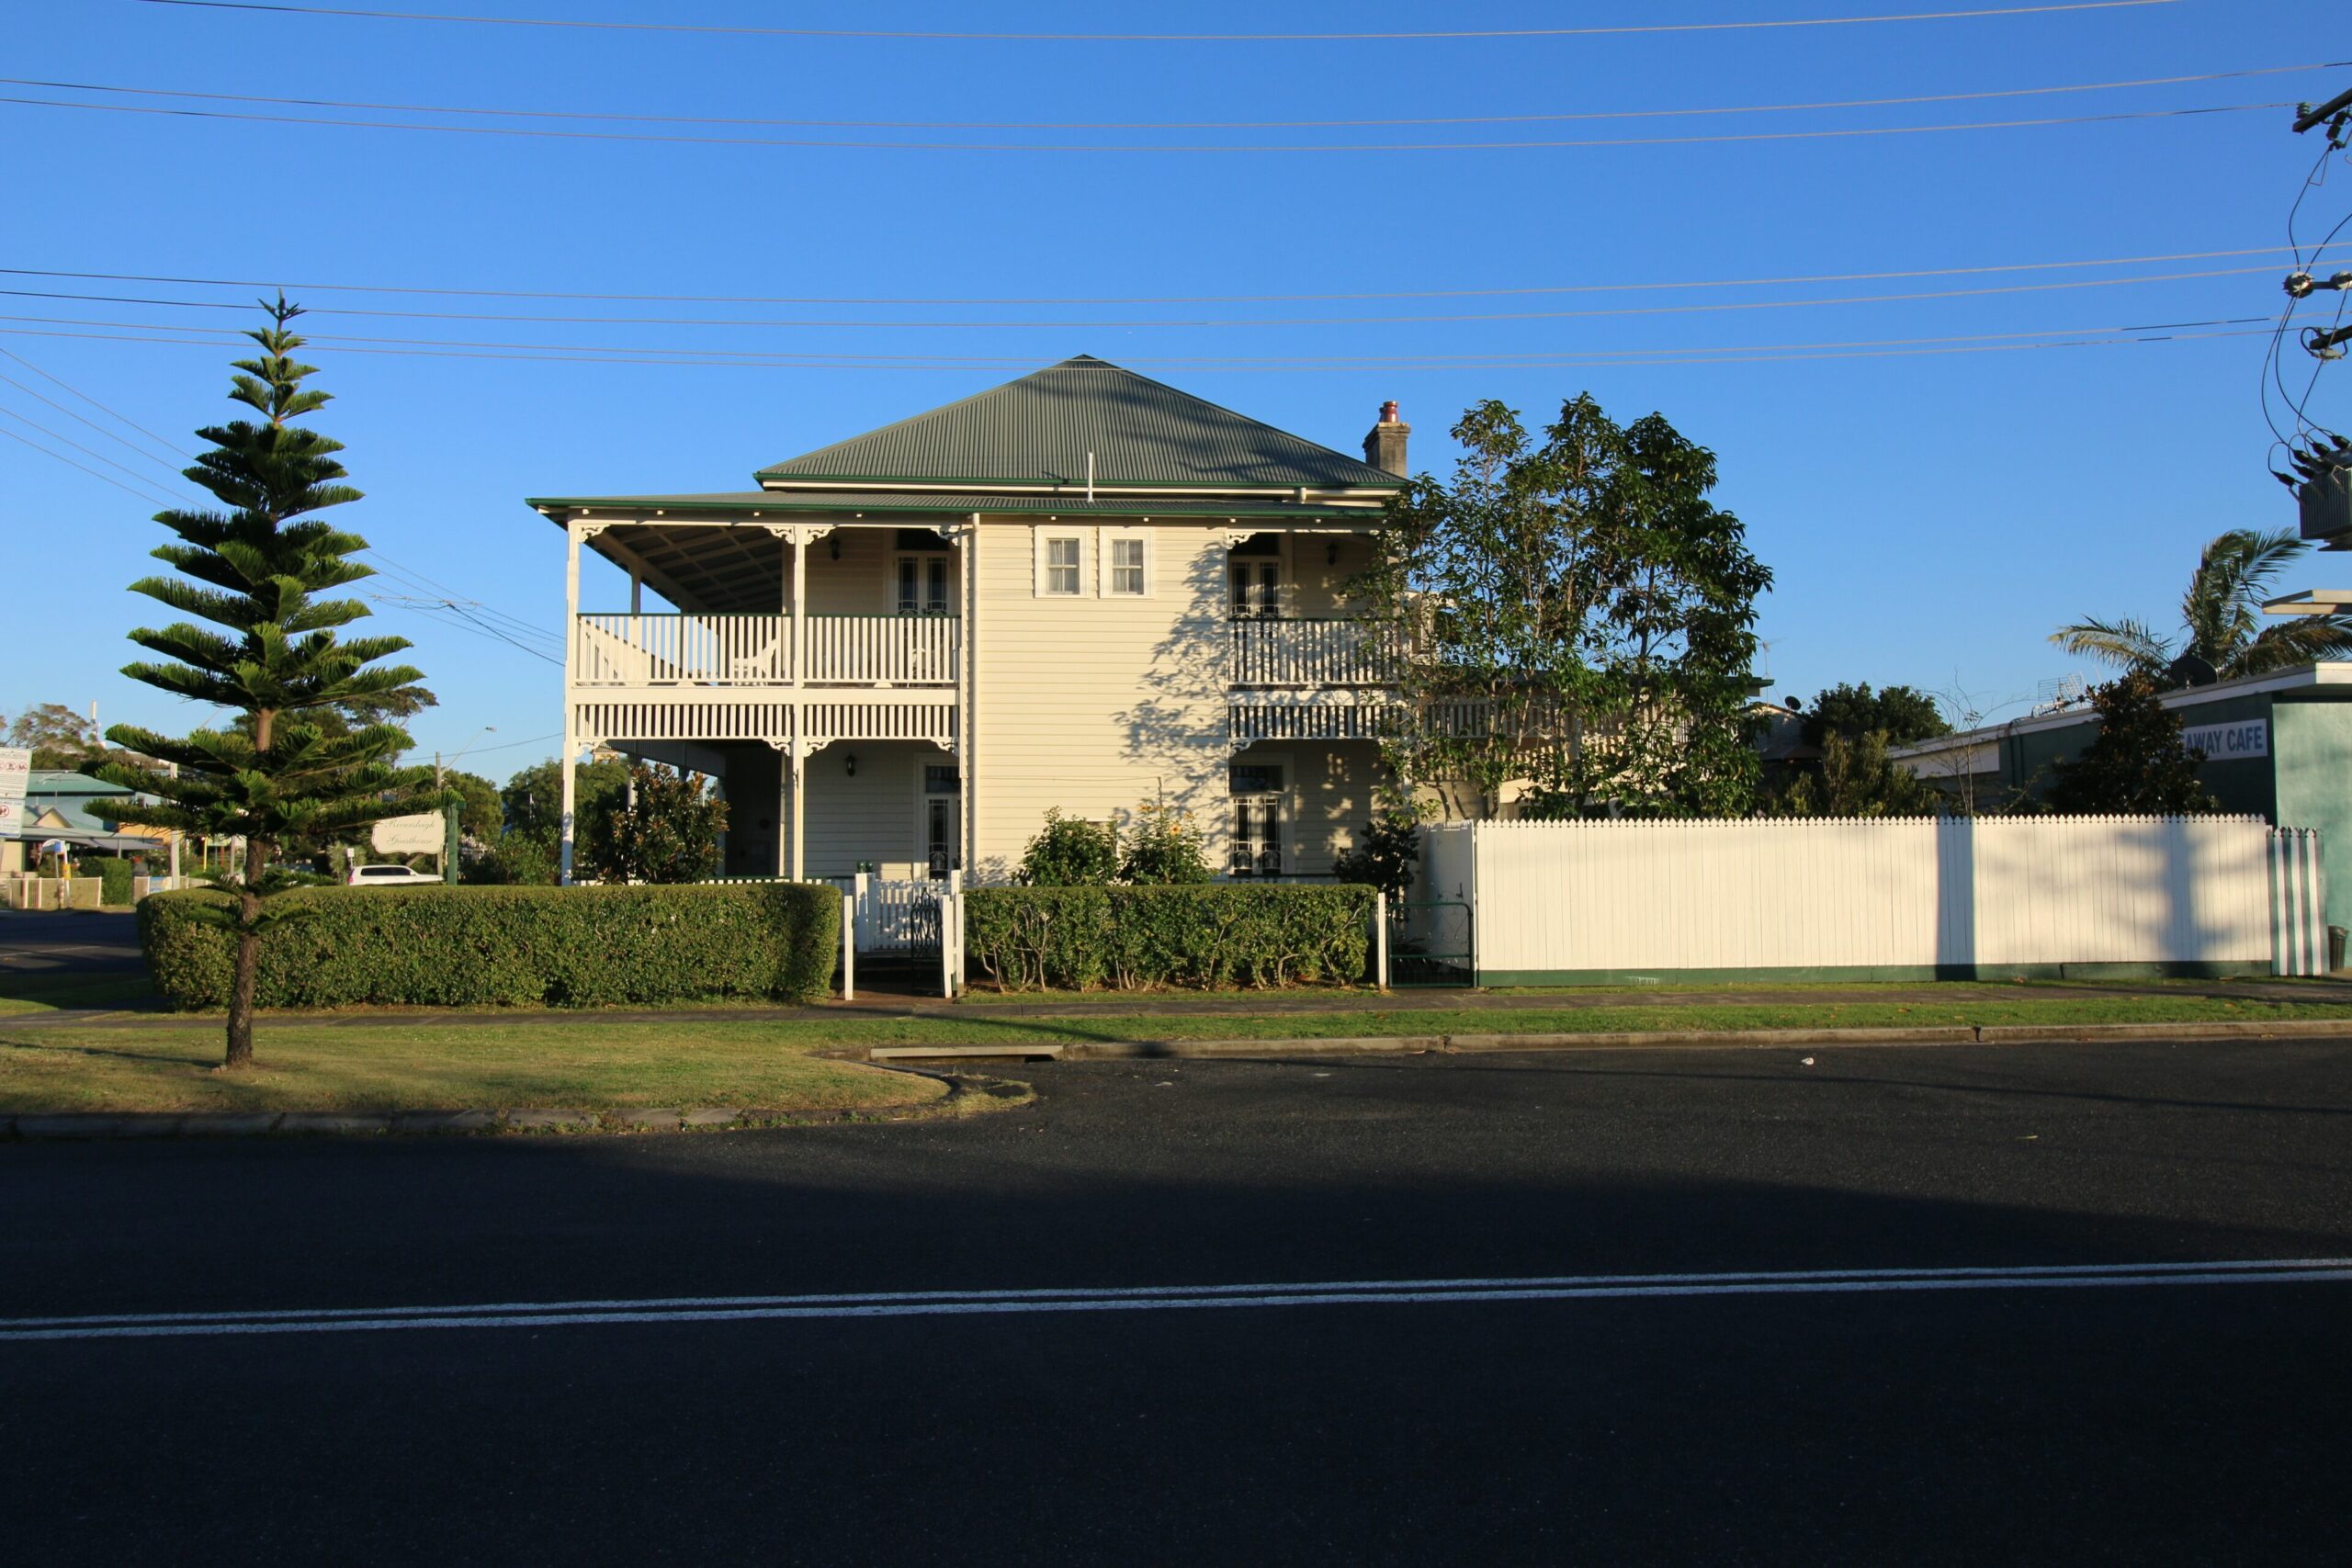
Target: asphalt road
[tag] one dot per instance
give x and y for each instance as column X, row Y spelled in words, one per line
column 36, row 942
column 2185, row 1417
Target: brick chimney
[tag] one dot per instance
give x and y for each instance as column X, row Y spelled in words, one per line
column 1383, row 445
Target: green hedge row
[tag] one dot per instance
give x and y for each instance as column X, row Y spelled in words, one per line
column 511, row 946
column 114, row 879
column 1146, row 938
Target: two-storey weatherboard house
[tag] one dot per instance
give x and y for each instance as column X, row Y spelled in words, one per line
column 1082, row 590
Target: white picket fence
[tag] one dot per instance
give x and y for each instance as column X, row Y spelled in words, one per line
column 1572, row 902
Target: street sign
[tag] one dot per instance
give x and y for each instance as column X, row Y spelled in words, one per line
column 15, row 773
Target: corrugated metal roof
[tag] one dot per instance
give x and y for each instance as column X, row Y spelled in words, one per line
column 1041, row 427
column 1066, row 504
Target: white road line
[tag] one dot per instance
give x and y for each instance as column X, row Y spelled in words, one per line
column 920, row 1303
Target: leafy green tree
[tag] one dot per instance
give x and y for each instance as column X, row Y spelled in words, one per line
column 514, row 861
column 482, row 813
column 59, row 738
column 1581, row 618
column 2137, row 764
column 1163, row 848
column 1899, row 713
column 533, row 801
column 1070, row 851
column 1857, row 779
column 669, row 832
column 2222, row 617
column 257, row 568
column 1386, row 856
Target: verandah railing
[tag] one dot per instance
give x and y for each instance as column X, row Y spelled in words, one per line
column 1268, row 651
column 622, row 650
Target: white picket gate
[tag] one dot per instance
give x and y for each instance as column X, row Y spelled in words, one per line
column 901, row 916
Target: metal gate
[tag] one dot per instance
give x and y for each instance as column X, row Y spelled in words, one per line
column 1431, row 943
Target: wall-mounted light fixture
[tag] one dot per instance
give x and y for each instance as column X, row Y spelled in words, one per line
column 849, row 764
column 1331, row 553
column 835, row 543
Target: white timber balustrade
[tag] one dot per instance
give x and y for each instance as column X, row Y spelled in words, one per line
column 681, row 651
column 883, row 650
column 1268, row 651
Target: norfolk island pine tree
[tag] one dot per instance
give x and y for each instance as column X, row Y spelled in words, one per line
column 257, row 567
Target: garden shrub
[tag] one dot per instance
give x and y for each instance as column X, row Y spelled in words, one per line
column 1163, row 848
column 1070, row 851
column 506, row 946
column 1147, row 937
column 114, row 880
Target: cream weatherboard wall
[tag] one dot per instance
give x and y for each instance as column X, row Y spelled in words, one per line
column 1090, row 703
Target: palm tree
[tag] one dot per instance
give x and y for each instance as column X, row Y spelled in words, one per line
column 2220, row 612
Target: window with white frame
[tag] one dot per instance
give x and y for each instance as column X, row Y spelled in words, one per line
column 1060, row 560
column 1126, row 566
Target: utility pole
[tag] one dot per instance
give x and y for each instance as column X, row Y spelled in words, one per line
column 2322, row 463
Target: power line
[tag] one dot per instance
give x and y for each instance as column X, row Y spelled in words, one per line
column 1119, row 323
column 929, row 36
column 837, row 143
column 142, row 496
column 85, row 451
column 93, row 425
column 1164, row 125
column 97, row 405
column 1310, row 366
column 1131, row 298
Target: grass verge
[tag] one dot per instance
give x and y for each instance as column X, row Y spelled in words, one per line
column 613, row 1066
column 22, row 994
column 580, row 1062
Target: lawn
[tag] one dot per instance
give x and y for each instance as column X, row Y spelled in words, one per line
column 504, row 1066
column 580, row 1062
column 21, row 994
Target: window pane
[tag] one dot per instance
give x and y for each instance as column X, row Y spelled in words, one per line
column 1126, row 566
column 935, row 587
column 1061, row 566
column 939, row 780
column 1256, row 778
column 906, row 587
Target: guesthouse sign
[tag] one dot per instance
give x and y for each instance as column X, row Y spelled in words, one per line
column 2229, row 742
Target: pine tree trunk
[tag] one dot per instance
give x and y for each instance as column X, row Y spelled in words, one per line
column 248, row 970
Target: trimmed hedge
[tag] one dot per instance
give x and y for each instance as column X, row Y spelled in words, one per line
column 506, row 946
column 1147, row 937
column 114, row 880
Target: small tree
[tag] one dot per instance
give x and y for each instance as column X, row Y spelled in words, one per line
column 253, row 569
column 56, row 736
column 1581, row 616
column 1857, row 779
column 1163, row 848
column 668, row 833
column 2137, row 764
column 1902, row 713
column 1387, row 856
column 1071, row 852
column 533, row 802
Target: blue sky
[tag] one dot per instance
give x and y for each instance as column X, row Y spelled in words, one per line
column 1930, row 516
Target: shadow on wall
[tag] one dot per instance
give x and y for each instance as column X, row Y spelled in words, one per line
column 1175, row 729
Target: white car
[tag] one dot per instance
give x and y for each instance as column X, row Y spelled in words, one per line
column 389, row 876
